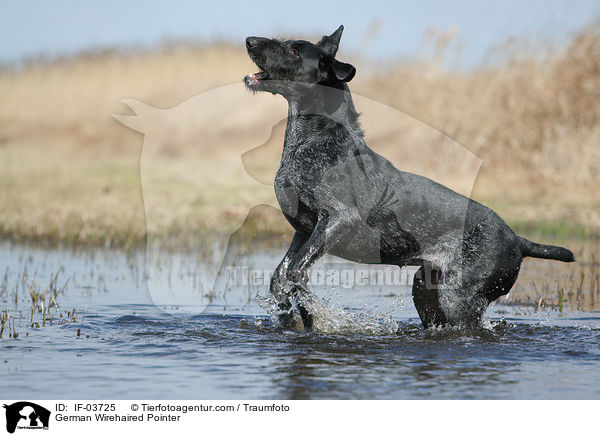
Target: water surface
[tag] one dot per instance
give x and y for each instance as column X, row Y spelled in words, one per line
column 128, row 347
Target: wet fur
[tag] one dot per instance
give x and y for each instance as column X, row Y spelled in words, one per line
column 344, row 199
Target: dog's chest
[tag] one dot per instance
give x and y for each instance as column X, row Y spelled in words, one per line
column 301, row 184
column 297, row 173
column 295, row 201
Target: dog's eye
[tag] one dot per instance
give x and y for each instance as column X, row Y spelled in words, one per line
column 294, row 53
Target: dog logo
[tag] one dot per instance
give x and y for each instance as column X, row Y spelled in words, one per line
column 252, row 158
column 26, row 415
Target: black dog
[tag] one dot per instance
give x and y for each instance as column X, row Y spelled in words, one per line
column 343, row 198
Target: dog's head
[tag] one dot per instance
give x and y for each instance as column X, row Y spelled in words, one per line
column 287, row 65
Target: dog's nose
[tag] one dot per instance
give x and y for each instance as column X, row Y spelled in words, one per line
column 251, row 42
column 255, row 42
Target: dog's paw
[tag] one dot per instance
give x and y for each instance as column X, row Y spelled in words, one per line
column 293, row 315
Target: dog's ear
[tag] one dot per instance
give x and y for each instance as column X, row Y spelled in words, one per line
column 343, row 71
column 330, row 44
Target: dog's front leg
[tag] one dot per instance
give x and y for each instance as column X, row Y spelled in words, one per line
column 279, row 277
column 286, row 294
column 331, row 228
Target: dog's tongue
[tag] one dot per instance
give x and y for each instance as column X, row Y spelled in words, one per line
column 257, row 76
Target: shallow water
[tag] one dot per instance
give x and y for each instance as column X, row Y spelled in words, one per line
column 130, row 348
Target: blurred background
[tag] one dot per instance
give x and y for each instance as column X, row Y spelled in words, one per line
column 516, row 84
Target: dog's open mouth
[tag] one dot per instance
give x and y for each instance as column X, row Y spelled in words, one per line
column 256, row 78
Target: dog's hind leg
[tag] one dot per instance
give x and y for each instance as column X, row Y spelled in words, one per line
column 461, row 297
column 470, row 284
column 443, row 299
column 425, row 296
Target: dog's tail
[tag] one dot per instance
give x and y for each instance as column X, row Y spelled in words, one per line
column 542, row 251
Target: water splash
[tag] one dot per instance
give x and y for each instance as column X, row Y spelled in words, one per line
column 332, row 319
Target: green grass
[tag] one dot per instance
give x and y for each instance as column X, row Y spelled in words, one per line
column 558, row 230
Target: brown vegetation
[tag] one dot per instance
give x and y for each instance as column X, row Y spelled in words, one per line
column 69, row 172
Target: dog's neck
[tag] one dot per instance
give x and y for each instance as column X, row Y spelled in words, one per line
column 334, row 102
column 315, row 108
